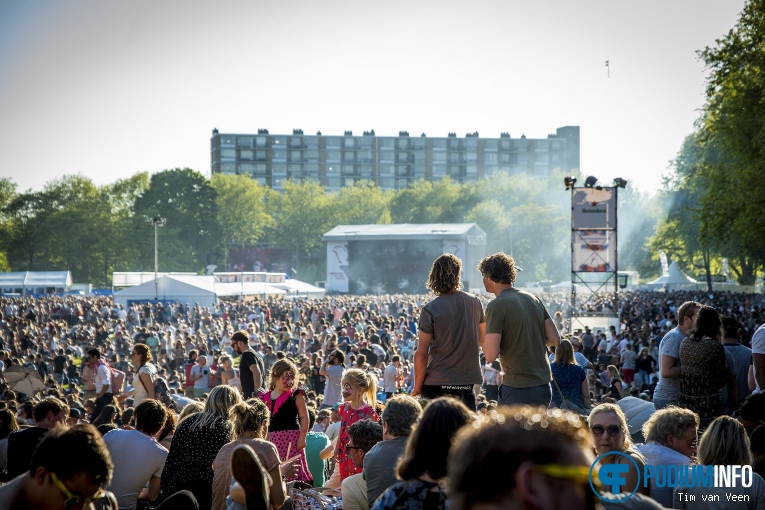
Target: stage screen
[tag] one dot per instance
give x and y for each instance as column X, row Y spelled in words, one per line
column 391, row 267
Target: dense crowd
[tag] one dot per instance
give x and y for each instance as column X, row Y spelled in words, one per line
column 218, row 406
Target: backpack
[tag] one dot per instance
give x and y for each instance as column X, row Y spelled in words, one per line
column 117, row 379
column 162, row 392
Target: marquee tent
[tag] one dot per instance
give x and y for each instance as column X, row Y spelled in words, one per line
column 35, row 282
column 192, row 289
column 675, row 279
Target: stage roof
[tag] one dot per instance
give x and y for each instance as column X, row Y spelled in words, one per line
column 412, row 231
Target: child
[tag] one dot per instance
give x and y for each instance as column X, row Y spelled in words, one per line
column 359, row 390
column 289, row 416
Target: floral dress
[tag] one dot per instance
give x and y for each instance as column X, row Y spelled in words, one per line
column 412, row 495
column 284, row 429
column 349, row 416
column 702, row 378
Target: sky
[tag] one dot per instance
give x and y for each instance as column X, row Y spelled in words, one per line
column 109, row 88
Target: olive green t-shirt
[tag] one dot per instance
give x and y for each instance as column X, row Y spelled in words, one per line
column 520, row 318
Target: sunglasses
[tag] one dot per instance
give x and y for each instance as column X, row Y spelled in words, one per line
column 349, row 448
column 612, row 430
column 73, row 499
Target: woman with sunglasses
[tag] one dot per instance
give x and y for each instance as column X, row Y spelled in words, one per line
column 613, row 445
column 143, row 382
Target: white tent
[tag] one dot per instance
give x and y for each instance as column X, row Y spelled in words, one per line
column 298, row 288
column 35, row 282
column 192, row 289
column 675, row 279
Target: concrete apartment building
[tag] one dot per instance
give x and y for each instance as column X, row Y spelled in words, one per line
column 391, row 162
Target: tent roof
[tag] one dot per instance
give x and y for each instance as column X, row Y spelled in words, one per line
column 176, row 285
column 36, row 279
column 407, row 231
column 299, row 287
column 673, row 277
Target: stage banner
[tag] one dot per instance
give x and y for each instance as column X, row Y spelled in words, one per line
column 594, row 251
column 594, row 208
column 337, row 266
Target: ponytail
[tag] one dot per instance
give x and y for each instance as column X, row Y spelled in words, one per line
column 371, row 391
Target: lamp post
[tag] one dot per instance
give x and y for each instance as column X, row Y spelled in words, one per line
column 156, row 222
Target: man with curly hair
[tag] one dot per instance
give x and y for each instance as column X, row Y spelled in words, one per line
column 452, row 327
column 518, row 329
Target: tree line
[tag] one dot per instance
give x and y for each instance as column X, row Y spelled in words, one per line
column 72, row 224
column 715, row 205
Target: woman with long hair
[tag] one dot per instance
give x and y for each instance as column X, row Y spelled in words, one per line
column 197, row 440
column 608, row 428
column 265, row 473
column 228, row 374
column 569, row 378
column 704, row 373
column 616, row 388
column 7, row 425
column 108, row 416
column 146, row 373
column 724, row 443
column 423, row 467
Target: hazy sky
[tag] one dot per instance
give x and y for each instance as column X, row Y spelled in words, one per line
column 110, row 88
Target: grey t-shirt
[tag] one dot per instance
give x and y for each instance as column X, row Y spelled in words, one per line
column 453, row 356
column 136, row 457
column 380, row 466
column 667, row 389
column 332, row 391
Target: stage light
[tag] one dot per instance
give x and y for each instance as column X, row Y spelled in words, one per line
column 569, row 182
column 590, row 181
column 620, row 183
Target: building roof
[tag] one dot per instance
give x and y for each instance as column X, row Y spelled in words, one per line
column 57, row 279
column 424, row 231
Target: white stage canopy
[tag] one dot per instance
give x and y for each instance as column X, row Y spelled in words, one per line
column 192, row 289
column 35, row 282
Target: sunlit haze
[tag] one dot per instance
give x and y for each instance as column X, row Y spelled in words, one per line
column 108, row 89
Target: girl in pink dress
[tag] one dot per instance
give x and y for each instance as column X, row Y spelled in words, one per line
column 289, row 416
column 359, row 390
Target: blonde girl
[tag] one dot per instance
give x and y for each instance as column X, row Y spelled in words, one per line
column 359, row 395
column 288, row 427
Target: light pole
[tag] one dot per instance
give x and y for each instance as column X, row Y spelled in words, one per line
column 156, row 222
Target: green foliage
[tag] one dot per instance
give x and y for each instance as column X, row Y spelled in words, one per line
column 716, row 202
column 192, row 235
column 241, row 205
column 93, row 231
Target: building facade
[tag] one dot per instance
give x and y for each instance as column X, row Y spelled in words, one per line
column 391, row 162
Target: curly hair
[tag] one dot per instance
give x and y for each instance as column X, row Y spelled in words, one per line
column 670, row 421
column 499, row 268
column 445, row 275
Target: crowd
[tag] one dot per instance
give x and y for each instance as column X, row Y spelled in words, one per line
column 395, row 401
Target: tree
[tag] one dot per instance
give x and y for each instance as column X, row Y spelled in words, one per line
column 300, row 216
column 360, row 204
column 191, row 238
column 493, row 219
column 733, row 122
column 242, row 212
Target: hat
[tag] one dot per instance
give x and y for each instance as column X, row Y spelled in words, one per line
column 74, row 413
column 336, row 407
